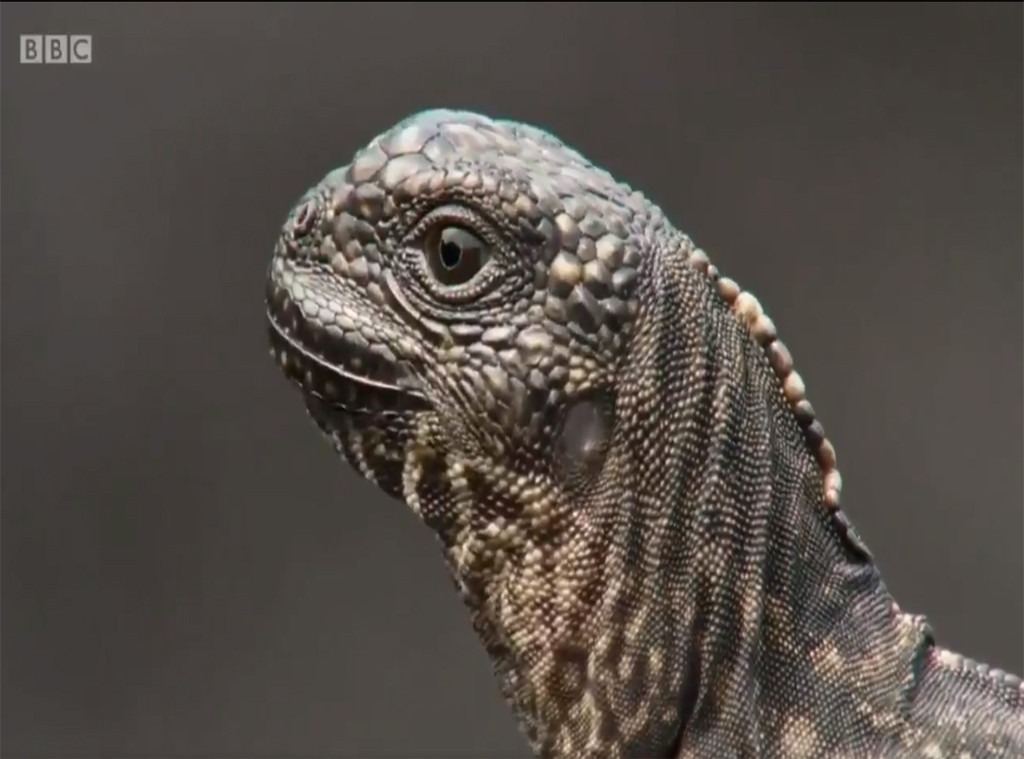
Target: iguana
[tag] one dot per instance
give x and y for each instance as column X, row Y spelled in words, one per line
column 636, row 499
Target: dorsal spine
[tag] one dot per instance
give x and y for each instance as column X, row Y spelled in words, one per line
column 748, row 310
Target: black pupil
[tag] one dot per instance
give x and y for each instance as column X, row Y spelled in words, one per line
column 455, row 255
column 451, row 253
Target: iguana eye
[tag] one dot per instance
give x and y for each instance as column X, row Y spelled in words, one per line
column 455, row 255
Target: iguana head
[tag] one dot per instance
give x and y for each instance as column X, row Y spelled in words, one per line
column 442, row 299
column 497, row 332
column 455, row 316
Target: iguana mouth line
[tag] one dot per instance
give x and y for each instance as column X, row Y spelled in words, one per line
column 335, row 385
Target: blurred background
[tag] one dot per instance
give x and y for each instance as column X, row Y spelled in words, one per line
column 186, row 568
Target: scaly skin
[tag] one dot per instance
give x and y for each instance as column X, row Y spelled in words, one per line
column 635, row 498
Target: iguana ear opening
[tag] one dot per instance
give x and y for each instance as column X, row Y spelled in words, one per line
column 583, row 438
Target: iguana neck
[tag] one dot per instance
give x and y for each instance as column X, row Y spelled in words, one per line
column 646, row 615
column 756, row 577
column 803, row 639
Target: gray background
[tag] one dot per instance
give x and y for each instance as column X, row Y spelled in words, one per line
column 186, row 569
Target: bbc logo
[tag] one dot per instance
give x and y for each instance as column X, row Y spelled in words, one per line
column 56, row 48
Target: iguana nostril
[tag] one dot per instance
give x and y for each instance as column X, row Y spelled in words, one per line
column 304, row 220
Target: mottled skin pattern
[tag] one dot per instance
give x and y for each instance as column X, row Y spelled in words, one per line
column 634, row 496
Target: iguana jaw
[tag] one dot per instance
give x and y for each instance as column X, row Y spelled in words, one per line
column 354, row 378
column 340, row 352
